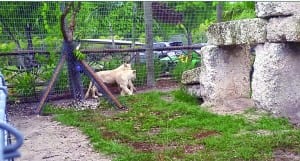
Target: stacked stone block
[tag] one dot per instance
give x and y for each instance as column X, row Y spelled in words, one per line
column 275, row 38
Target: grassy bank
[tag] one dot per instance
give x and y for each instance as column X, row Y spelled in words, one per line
column 172, row 126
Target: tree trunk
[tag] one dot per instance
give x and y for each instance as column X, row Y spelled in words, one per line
column 189, row 38
column 136, row 55
column 219, row 11
column 29, row 59
column 190, row 42
column 75, row 83
column 21, row 63
column 28, row 36
column 149, row 43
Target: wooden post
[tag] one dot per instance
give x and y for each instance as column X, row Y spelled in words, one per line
column 68, row 47
column 51, row 83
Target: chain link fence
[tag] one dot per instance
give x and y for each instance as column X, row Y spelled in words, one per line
column 110, row 33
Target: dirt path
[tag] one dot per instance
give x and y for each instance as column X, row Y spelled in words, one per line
column 47, row 140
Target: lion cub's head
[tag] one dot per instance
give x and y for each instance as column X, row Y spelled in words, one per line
column 133, row 74
column 124, row 66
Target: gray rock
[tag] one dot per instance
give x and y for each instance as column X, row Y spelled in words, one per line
column 191, row 76
column 284, row 29
column 194, row 90
column 232, row 106
column 249, row 31
column 276, row 9
column 224, row 73
column 276, row 85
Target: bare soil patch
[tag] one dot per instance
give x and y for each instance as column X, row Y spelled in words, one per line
column 48, row 140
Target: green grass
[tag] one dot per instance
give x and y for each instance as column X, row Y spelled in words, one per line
column 178, row 129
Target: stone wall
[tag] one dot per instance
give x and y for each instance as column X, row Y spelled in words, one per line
column 250, row 31
column 276, row 79
column 226, row 62
column 224, row 73
column 276, row 74
column 276, row 9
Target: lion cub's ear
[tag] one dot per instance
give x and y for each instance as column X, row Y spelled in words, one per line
column 127, row 65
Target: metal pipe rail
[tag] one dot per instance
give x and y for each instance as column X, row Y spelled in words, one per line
column 24, row 52
column 140, row 49
column 7, row 151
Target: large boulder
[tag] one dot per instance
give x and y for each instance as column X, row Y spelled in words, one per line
column 190, row 79
column 284, row 29
column 224, row 73
column 194, row 89
column 191, row 76
column 249, row 31
column 276, row 85
column 276, row 9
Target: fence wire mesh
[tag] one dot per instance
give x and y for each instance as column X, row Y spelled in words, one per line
column 31, row 39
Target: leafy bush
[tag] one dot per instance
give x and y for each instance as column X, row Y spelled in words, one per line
column 141, row 72
column 180, row 68
column 6, row 47
column 25, row 84
column 62, row 83
column 112, row 64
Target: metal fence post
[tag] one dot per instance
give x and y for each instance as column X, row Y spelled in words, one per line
column 7, row 151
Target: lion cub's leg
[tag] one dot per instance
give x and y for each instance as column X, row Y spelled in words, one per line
column 131, row 86
column 89, row 90
column 125, row 90
column 95, row 92
column 122, row 92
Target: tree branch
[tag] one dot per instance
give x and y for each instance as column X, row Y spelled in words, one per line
column 73, row 18
column 62, row 22
column 6, row 28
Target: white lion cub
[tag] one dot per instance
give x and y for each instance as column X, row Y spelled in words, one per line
column 123, row 76
column 125, row 80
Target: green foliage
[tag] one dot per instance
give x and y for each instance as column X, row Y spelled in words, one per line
column 31, row 8
column 6, row 47
column 141, row 72
column 62, row 83
column 183, row 96
column 48, row 64
column 50, row 13
column 181, row 67
column 24, row 84
column 238, row 10
column 113, row 63
column 79, row 55
column 191, row 21
column 170, row 126
column 110, row 13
